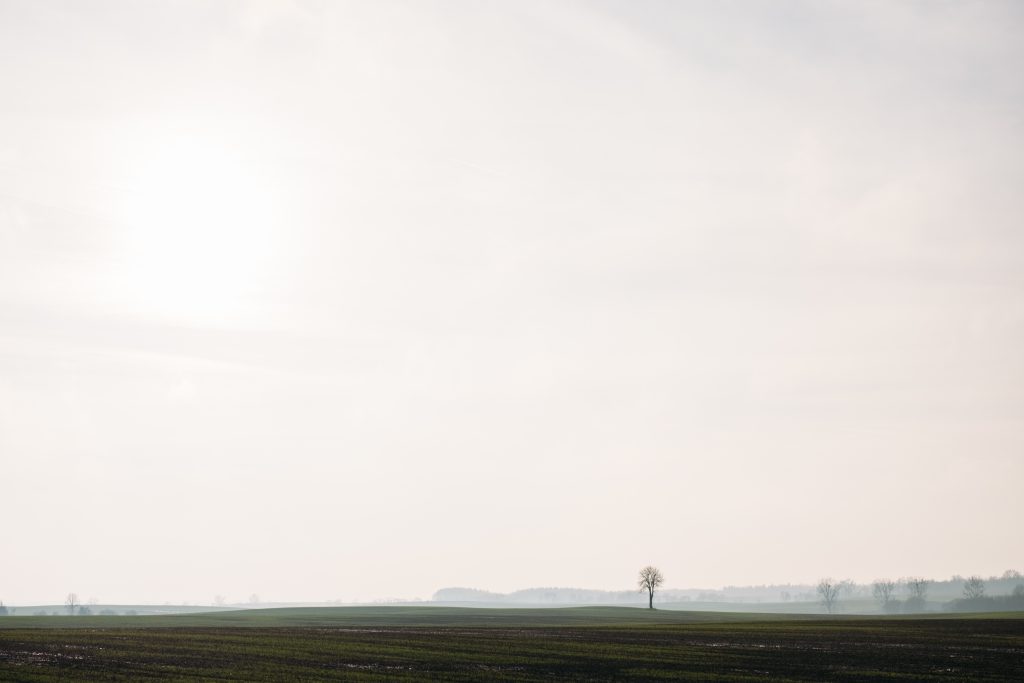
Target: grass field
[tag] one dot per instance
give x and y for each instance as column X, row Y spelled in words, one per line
column 595, row 643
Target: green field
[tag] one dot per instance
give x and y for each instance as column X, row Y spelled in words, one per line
column 593, row 643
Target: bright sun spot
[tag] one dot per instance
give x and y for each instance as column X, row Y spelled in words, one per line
column 198, row 233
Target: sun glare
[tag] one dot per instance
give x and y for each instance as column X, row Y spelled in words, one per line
column 197, row 233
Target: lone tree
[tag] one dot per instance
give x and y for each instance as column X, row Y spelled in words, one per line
column 974, row 588
column 650, row 579
column 883, row 590
column 72, row 602
column 828, row 589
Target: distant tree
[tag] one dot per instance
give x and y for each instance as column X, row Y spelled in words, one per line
column 974, row 588
column 917, row 593
column 828, row 589
column 1011, row 574
column 883, row 590
column 3, row 609
column 649, row 580
column 72, row 602
column 917, row 587
column 254, row 599
column 218, row 600
column 84, row 610
column 1018, row 591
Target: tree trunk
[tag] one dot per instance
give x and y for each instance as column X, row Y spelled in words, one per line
column 650, row 599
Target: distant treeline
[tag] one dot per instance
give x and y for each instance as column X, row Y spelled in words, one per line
column 958, row 593
column 990, row 603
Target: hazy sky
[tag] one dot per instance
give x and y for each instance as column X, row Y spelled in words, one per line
column 325, row 300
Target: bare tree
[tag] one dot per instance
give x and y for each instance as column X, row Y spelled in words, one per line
column 828, row 589
column 917, row 587
column 72, row 602
column 974, row 588
column 917, row 591
column 883, row 590
column 650, row 579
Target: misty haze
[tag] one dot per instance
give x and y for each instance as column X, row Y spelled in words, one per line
column 657, row 328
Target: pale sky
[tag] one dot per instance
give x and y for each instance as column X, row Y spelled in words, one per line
column 325, row 300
